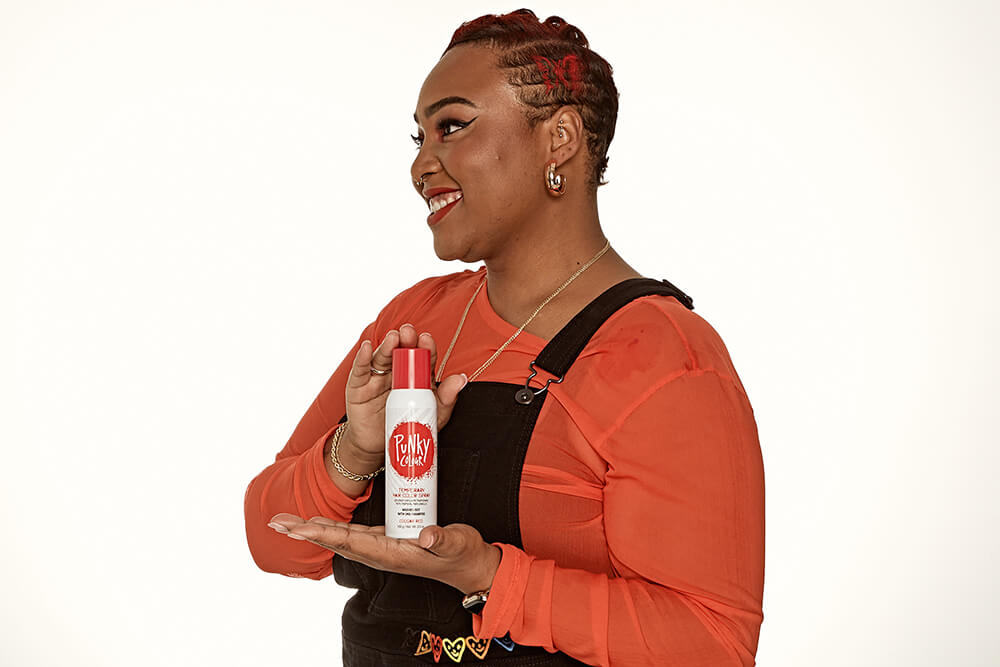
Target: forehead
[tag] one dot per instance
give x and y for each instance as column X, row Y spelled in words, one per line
column 466, row 71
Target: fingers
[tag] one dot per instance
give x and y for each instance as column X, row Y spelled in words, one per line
column 355, row 527
column 290, row 521
column 447, row 394
column 364, row 544
column 426, row 341
column 360, row 369
column 382, row 358
column 366, row 358
column 405, row 336
column 455, row 554
column 323, row 521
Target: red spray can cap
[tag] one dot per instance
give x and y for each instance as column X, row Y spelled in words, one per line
column 411, row 368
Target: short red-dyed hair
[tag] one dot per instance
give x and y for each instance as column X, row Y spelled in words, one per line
column 551, row 65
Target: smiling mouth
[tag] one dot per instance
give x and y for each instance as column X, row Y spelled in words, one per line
column 438, row 202
column 442, row 204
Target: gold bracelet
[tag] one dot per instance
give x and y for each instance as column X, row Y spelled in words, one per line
column 334, row 445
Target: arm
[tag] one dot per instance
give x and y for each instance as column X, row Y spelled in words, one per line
column 684, row 519
column 302, row 481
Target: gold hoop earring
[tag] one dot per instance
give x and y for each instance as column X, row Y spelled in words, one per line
column 555, row 183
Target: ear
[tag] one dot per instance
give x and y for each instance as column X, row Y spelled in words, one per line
column 564, row 132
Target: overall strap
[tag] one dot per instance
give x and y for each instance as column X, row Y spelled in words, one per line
column 565, row 347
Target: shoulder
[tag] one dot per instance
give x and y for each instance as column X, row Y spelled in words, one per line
column 664, row 339
column 640, row 358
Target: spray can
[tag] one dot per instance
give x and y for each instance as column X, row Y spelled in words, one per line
column 411, row 455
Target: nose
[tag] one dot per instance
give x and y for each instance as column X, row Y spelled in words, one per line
column 423, row 166
column 419, row 183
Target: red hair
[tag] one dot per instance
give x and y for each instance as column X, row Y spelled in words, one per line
column 551, row 65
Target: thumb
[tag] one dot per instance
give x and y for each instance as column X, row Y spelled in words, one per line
column 447, row 394
column 431, row 538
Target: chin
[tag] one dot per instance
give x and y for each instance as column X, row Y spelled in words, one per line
column 445, row 252
column 449, row 252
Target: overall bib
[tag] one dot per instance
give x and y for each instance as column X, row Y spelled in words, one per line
column 397, row 619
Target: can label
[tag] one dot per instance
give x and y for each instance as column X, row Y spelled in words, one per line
column 411, row 476
column 411, row 450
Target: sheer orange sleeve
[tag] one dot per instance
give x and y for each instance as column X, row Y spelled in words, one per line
column 298, row 483
column 684, row 519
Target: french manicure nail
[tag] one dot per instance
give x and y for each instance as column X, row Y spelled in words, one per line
column 295, row 537
column 278, row 527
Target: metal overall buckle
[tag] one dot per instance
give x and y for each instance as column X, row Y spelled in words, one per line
column 526, row 394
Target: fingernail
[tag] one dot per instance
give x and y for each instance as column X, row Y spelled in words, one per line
column 465, row 381
column 295, row 537
column 278, row 527
column 405, row 325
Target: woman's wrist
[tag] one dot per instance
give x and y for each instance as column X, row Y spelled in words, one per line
column 351, row 458
column 490, row 571
column 364, row 461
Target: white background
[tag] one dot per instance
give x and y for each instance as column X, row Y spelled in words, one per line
column 203, row 203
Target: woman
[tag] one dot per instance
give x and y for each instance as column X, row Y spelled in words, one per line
column 600, row 480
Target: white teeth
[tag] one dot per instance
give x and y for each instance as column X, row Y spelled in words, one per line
column 440, row 201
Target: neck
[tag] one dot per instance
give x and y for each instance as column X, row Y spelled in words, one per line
column 543, row 255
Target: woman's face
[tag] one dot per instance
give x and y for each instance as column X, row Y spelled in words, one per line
column 474, row 138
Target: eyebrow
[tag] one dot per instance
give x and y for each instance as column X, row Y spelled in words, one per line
column 432, row 109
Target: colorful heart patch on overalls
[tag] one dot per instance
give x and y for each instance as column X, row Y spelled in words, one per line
column 453, row 648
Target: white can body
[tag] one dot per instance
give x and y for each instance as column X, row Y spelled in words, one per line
column 411, row 464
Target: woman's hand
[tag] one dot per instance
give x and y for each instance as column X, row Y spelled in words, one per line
column 366, row 393
column 455, row 554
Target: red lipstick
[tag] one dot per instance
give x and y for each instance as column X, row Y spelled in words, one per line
column 436, row 216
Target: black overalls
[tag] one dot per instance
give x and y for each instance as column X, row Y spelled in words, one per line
column 397, row 619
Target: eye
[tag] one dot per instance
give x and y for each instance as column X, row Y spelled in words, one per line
column 447, row 123
column 446, row 126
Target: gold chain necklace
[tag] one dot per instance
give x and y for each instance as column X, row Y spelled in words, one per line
column 510, row 340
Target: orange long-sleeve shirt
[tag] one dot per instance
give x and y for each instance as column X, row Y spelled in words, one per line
column 641, row 498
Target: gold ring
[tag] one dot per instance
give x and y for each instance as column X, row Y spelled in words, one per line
column 375, row 371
